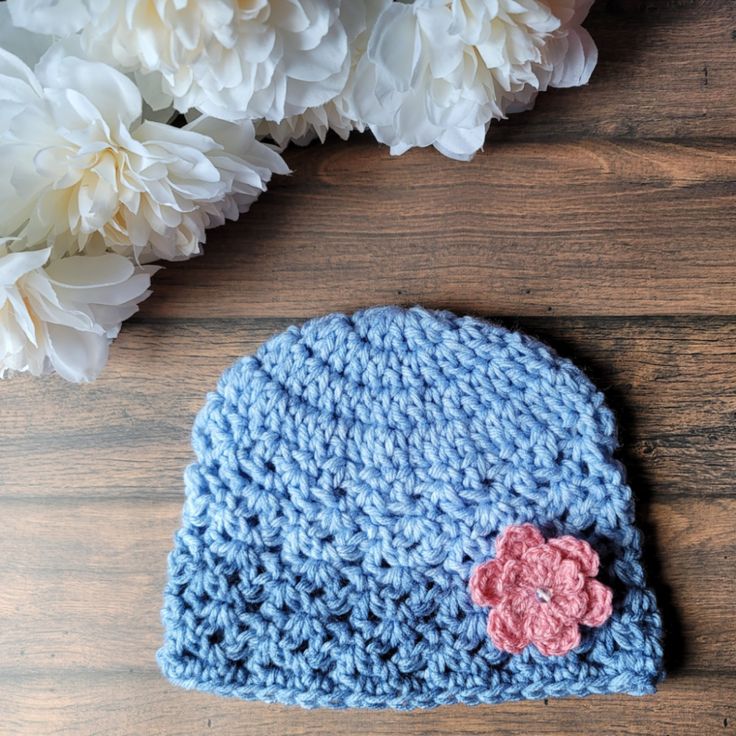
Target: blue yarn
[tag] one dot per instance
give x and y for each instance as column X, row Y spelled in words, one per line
column 351, row 474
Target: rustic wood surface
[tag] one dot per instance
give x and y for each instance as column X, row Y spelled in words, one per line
column 603, row 222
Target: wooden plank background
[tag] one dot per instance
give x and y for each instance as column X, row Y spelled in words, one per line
column 603, row 222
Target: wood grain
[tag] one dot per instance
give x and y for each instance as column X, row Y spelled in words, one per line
column 85, row 554
column 145, row 704
column 602, row 222
column 665, row 71
column 558, row 227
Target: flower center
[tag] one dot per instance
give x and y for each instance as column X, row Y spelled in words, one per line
column 544, row 595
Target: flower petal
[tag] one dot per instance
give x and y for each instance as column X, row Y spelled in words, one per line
column 49, row 17
column 395, row 43
column 15, row 265
column 579, row 551
column 90, row 272
column 76, row 356
column 579, row 58
column 599, row 603
column 515, row 540
column 541, row 565
column 485, row 583
column 115, row 97
column 28, row 46
column 568, row 580
column 559, row 642
column 540, row 622
column 550, row 633
column 515, row 577
column 569, row 607
column 505, row 627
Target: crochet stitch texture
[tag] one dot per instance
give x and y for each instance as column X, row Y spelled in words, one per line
column 349, row 478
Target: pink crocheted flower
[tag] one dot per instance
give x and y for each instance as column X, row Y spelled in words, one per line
column 540, row 592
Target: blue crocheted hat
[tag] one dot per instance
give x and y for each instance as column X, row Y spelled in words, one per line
column 405, row 509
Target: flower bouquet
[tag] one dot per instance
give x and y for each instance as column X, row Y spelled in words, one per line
column 130, row 127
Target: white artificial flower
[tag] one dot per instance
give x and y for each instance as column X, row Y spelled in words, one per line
column 227, row 58
column 61, row 316
column 436, row 72
column 80, row 166
column 339, row 114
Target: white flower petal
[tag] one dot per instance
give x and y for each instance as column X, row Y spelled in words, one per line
column 396, row 44
column 74, row 355
column 113, row 94
column 17, row 81
column 90, row 272
column 578, row 61
column 26, row 327
column 60, row 317
column 50, row 17
column 29, row 47
column 15, row 265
